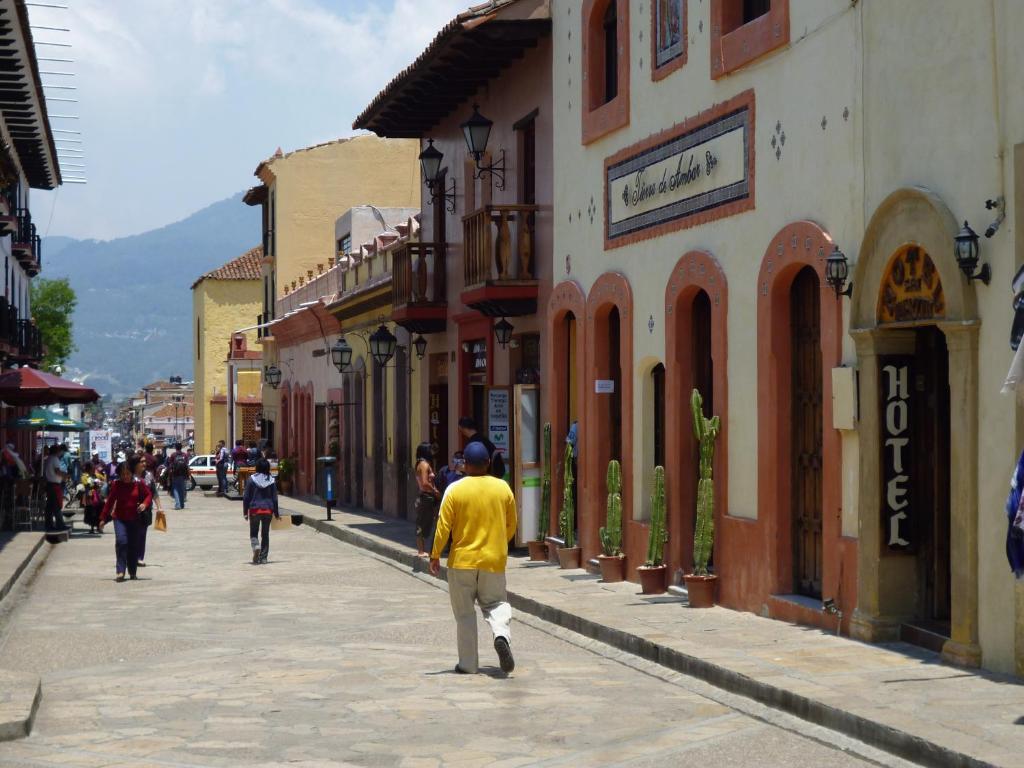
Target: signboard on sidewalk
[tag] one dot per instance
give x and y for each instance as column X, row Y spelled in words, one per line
column 498, row 418
column 97, row 441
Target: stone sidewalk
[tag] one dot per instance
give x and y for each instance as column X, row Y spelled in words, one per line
column 896, row 697
column 20, row 554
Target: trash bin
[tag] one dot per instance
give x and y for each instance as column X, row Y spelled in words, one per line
column 325, row 480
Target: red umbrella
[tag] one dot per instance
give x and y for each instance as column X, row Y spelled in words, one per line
column 27, row 386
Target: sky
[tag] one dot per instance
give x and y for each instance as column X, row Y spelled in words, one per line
column 180, row 100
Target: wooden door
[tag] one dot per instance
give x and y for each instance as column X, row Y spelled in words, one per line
column 379, row 444
column 402, row 458
column 930, row 415
column 806, row 435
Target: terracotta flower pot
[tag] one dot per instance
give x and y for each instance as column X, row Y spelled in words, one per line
column 569, row 557
column 538, row 550
column 612, row 567
column 701, row 590
column 652, row 578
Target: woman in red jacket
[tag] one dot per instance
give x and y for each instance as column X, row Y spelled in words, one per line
column 126, row 500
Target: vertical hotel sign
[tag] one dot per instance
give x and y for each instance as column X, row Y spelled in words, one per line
column 703, row 167
column 896, row 450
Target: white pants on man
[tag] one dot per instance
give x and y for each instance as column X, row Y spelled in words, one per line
column 469, row 586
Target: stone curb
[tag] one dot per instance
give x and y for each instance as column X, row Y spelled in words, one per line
column 872, row 732
column 8, row 585
column 20, row 723
column 17, row 717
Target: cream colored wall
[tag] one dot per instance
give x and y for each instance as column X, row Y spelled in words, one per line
column 816, row 76
column 222, row 307
column 313, row 187
column 921, row 112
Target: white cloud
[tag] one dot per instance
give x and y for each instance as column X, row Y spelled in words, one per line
column 180, row 99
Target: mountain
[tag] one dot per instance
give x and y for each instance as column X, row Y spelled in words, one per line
column 133, row 323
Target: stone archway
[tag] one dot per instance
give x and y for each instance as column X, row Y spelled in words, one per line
column 917, row 219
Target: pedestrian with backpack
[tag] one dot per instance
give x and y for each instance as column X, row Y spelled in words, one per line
column 179, row 476
column 259, row 502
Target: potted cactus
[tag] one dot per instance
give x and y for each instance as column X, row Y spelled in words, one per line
column 700, row 585
column 611, row 558
column 569, row 555
column 652, row 572
column 539, row 546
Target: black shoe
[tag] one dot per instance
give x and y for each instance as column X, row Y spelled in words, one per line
column 256, row 557
column 132, row 576
column 504, row 652
column 120, row 577
column 263, row 559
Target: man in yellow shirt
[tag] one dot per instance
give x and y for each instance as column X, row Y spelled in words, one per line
column 479, row 512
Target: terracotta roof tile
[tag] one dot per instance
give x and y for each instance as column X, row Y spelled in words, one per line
column 248, row 266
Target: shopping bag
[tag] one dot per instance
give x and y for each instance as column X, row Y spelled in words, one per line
column 282, row 523
column 161, row 521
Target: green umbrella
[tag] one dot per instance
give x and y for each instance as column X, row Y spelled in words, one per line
column 40, row 418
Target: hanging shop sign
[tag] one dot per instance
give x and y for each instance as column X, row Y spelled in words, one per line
column 912, row 289
column 897, row 497
column 703, row 167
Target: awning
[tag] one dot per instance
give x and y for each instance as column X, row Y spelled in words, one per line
column 40, row 418
column 27, row 386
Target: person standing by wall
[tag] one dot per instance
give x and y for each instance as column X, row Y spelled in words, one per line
column 178, row 467
column 479, row 513
column 259, row 502
column 469, row 429
column 221, row 459
column 126, row 500
column 426, row 500
column 55, row 476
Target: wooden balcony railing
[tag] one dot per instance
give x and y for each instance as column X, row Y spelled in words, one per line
column 499, row 245
column 418, row 274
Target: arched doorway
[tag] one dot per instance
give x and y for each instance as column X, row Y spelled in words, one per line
column 799, row 464
column 565, row 395
column 609, row 412
column 696, row 306
column 806, row 432
column 914, row 321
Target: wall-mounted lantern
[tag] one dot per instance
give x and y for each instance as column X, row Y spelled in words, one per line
column 420, row 345
column 477, row 130
column 837, row 270
column 430, row 163
column 503, row 332
column 273, row 376
column 966, row 252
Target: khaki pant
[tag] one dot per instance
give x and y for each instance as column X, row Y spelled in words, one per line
column 469, row 586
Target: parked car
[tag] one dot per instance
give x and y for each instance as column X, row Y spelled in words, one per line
column 204, row 471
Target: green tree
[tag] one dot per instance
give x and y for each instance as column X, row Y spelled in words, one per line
column 53, row 303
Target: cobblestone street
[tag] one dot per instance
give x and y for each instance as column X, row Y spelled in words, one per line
column 329, row 656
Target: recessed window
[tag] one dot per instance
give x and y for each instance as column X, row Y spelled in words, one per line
column 744, row 30
column 610, row 26
column 605, row 36
column 754, row 8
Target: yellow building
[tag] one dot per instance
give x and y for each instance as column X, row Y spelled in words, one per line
column 224, row 300
column 302, row 194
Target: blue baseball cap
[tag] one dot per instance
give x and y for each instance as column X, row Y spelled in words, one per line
column 476, row 455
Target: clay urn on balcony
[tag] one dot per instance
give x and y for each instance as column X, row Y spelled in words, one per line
column 319, row 269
